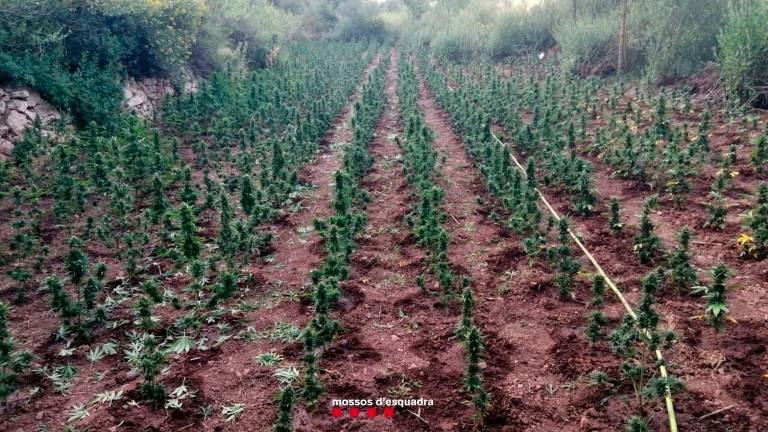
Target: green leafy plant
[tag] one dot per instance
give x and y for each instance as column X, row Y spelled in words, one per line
column 717, row 308
column 13, row 363
column 614, row 222
column 284, row 411
column 682, row 274
column 144, row 355
column 646, row 243
column 567, row 266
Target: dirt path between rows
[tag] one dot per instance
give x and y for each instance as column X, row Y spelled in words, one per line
column 395, row 336
column 528, row 332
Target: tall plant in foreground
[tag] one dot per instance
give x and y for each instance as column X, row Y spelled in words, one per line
column 473, row 380
column 284, row 411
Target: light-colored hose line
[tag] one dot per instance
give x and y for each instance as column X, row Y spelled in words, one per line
column 662, row 369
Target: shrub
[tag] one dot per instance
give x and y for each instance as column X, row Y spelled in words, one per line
column 677, row 35
column 460, row 44
column 519, row 32
column 743, row 51
column 586, row 41
column 74, row 55
column 253, row 26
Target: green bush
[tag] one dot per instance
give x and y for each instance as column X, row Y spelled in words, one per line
column 239, row 27
column 460, row 44
column 587, row 41
column 676, row 36
column 743, row 51
column 521, row 32
column 76, row 51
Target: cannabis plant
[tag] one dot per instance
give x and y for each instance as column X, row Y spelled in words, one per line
column 13, row 363
column 717, row 308
column 646, row 243
column 682, row 273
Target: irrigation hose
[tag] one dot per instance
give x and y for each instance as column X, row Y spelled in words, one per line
column 662, row 369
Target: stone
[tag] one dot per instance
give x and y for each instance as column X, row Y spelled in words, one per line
column 19, row 105
column 17, row 122
column 31, row 115
column 3, row 107
column 139, row 98
column 6, row 147
column 4, row 130
column 34, row 99
column 127, row 92
column 20, row 94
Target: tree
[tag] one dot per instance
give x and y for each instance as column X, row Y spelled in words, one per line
column 623, row 36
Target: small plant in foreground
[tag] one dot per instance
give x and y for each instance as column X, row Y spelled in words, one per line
column 717, row 309
column 615, row 216
column 756, row 245
column 567, row 266
column 468, row 304
column 146, row 356
column 646, row 243
column 681, row 271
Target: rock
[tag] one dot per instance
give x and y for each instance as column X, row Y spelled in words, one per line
column 19, row 105
column 31, row 115
column 17, row 122
column 4, row 130
column 21, row 94
column 139, row 98
column 34, row 99
column 6, row 147
column 3, row 107
column 127, row 92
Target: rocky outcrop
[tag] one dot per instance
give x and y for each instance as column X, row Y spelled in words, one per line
column 145, row 96
column 20, row 106
column 18, row 109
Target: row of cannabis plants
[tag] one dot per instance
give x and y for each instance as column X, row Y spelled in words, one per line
column 635, row 340
column 338, row 232
column 133, row 216
column 661, row 141
column 427, row 218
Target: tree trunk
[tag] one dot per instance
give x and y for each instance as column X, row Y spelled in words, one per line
column 623, row 37
column 574, row 12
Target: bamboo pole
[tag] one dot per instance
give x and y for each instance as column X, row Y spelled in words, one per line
column 659, row 356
